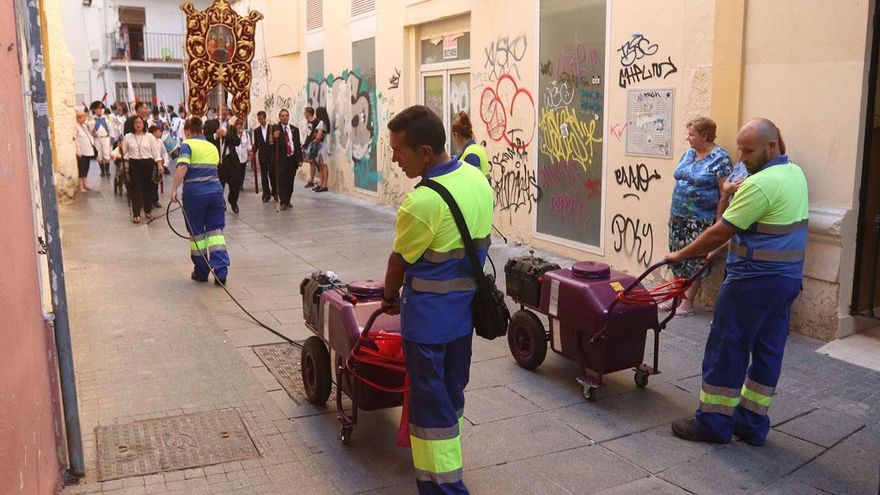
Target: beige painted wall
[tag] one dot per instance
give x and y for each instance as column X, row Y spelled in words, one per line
column 806, row 73
column 61, row 81
column 805, row 69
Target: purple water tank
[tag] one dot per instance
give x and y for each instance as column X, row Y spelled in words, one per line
column 591, row 269
column 366, row 290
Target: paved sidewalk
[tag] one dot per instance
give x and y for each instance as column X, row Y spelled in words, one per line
column 151, row 343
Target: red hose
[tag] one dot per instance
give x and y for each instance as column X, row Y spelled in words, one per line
column 657, row 294
column 385, row 360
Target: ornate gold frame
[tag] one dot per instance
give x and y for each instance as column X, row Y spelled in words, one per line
column 208, row 66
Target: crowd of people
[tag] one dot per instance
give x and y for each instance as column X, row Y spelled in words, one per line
column 144, row 146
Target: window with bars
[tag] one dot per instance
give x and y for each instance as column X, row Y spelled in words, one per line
column 314, row 14
column 360, row 7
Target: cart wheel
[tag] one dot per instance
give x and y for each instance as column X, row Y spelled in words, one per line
column 641, row 379
column 345, row 435
column 589, row 392
column 315, row 369
column 527, row 339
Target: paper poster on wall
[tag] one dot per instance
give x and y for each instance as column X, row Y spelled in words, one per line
column 649, row 122
column 450, row 48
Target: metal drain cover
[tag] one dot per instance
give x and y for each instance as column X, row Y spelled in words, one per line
column 283, row 361
column 173, row 443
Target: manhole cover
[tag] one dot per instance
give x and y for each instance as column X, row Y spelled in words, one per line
column 283, row 361
column 169, row 444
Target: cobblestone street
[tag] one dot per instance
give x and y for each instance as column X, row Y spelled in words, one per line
column 150, row 343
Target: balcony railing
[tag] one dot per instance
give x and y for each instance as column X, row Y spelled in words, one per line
column 148, row 47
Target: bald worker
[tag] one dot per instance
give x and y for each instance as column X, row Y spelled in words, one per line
column 766, row 224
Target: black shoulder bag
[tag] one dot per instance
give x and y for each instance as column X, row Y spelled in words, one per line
column 491, row 315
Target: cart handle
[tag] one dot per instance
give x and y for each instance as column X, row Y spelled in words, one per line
column 703, row 267
column 369, row 326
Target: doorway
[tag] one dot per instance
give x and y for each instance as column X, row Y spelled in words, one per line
column 866, row 280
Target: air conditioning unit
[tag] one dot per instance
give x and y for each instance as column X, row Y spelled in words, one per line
column 94, row 53
column 87, row 3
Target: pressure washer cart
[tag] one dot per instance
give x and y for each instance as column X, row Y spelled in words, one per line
column 599, row 317
column 365, row 364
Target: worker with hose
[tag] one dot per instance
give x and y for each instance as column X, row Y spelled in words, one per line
column 430, row 263
column 203, row 206
column 767, row 227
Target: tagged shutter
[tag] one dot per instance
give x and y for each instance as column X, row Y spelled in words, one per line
column 359, row 7
column 314, row 14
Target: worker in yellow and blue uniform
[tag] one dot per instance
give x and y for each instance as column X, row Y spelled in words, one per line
column 203, row 203
column 471, row 152
column 430, row 262
column 766, row 224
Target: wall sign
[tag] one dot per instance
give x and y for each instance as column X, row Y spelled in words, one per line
column 649, row 121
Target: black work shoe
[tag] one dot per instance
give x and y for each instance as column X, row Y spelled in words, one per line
column 197, row 278
column 686, row 430
column 266, row 199
column 220, row 281
column 309, row 184
column 235, row 209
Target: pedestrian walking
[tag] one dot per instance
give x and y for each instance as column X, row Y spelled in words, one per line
column 310, row 153
column 243, row 150
column 471, row 152
column 265, row 154
column 698, row 200
column 289, row 156
column 142, row 151
column 428, row 260
column 766, row 224
column 203, row 205
column 222, row 133
column 85, row 149
column 319, row 148
column 102, row 133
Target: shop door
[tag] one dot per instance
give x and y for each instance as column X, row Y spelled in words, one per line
column 447, row 92
column 866, row 283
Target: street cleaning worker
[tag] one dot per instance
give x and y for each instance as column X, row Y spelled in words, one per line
column 766, row 224
column 203, row 203
column 430, row 262
column 471, row 152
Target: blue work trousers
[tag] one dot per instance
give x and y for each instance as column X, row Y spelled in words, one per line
column 743, row 357
column 438, row 374
column 206, row 216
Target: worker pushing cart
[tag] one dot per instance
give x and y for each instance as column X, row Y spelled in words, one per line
column 430, row 263
column 766, row 224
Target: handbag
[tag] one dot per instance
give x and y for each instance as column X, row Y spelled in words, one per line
column 491, row 316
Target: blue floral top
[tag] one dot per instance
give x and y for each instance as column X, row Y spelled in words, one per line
column 696, row 184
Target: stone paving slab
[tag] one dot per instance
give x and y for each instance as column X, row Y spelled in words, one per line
column 657, row 450
column 743, row 468
column 822, row 427
column 851, row 468
column 492, row 404
column 645, row 486
column 615, row 417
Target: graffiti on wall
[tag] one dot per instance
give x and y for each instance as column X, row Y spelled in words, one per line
column 566, row 136
column 508, row 111
column 350, row 103
column 638, row 62
column 394, row 80
column 516, row 187
column 634, row 237
column 635, row 178
column 503, row 56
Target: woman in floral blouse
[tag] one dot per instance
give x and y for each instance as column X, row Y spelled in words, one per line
column 697, row 199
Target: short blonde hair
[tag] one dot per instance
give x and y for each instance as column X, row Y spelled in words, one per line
column 704, row 126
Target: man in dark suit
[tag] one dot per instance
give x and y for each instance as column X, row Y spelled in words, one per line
column 266, row 156
column 221, row 133
column 289, row 156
